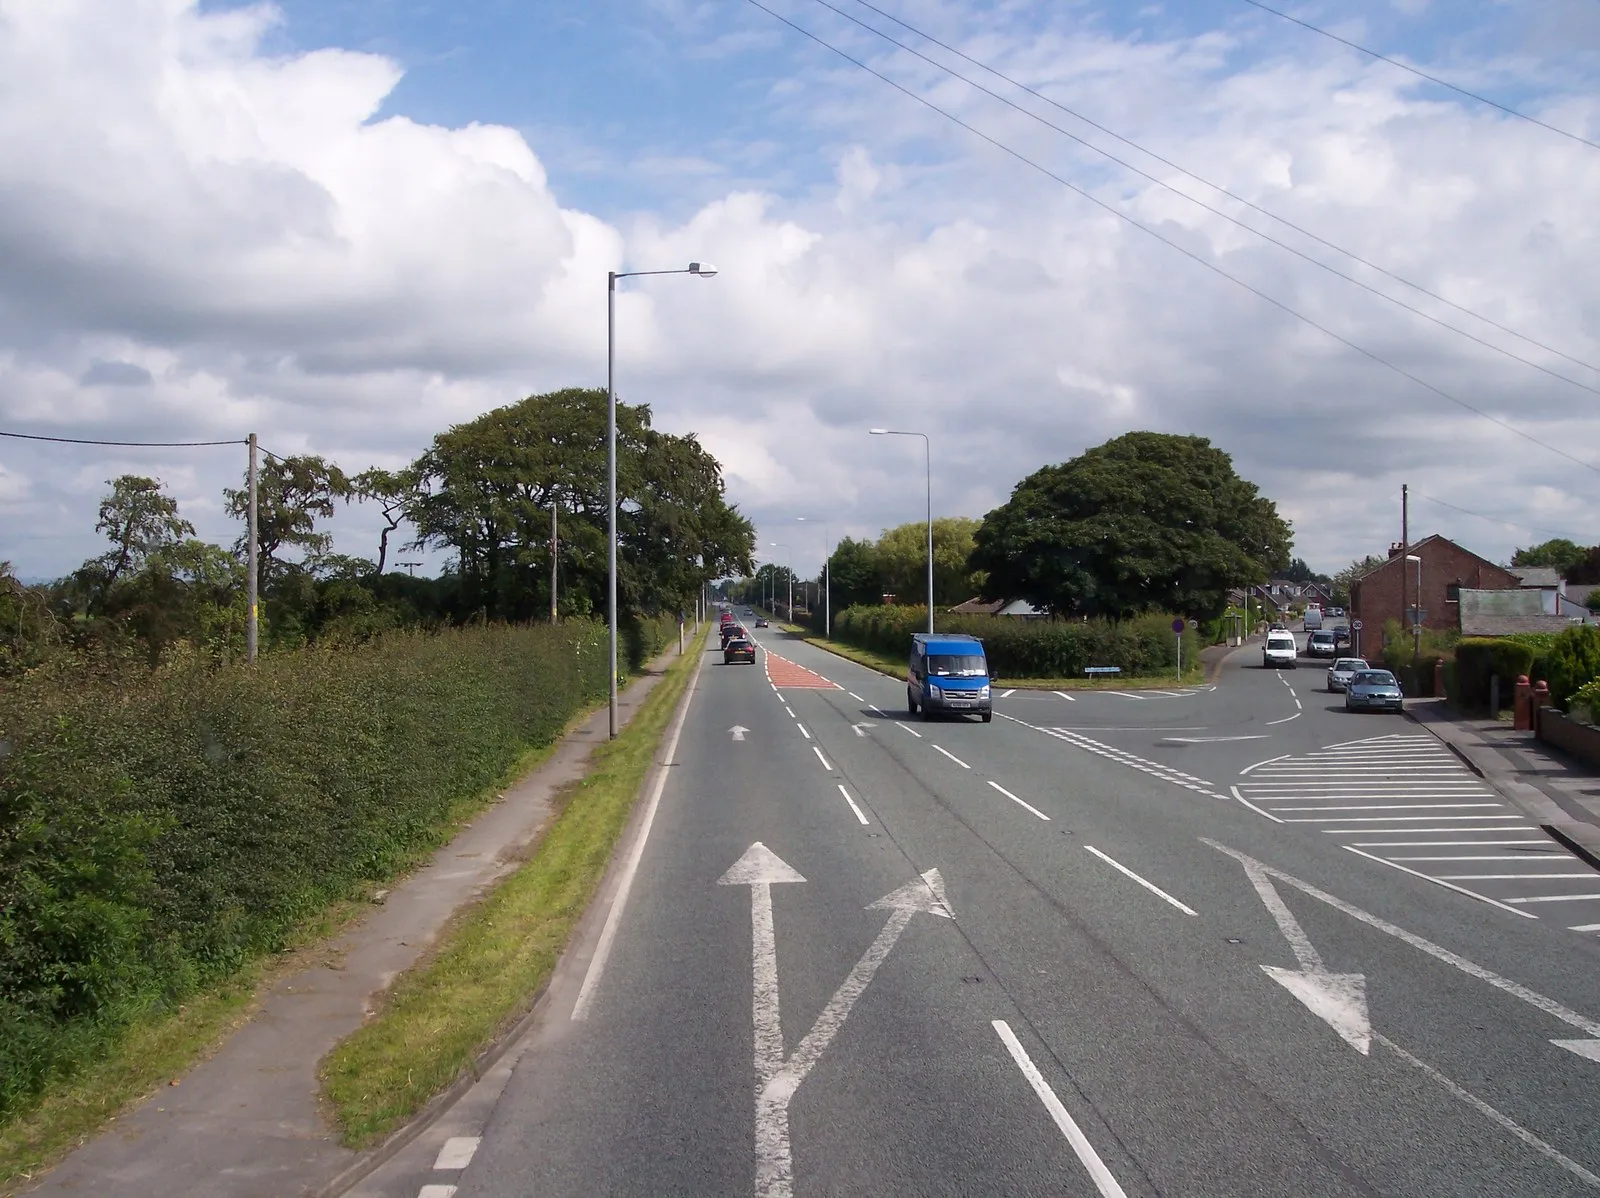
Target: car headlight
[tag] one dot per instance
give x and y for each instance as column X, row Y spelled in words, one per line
column 934, row 691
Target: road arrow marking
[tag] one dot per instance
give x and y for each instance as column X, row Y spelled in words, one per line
column 861, row 728
column 1589, row 1047
column 738, row 732
column 777, row 1079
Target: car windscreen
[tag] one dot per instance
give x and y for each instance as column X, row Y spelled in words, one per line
column 1280, row 642
column 1319, row 637
column 1349, row 663
column 736, row 644
column 957, row 665
column 1376, row 678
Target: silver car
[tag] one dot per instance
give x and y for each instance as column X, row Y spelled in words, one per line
column 1341, row 671
column 1373, row 690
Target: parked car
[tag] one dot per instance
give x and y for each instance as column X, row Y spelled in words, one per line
column 1279, row 651
column 1336, row 611
column 1277, row 626
column 1341, row 634
column 761, row 622
column 738, row 649
column 1374, row 690
column 1322, row 644
column 1341, row 671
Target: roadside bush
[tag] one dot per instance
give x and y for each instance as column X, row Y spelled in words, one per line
column 160, row 827
column 1584, row 705
column 1573, row 661
column 1028, row 648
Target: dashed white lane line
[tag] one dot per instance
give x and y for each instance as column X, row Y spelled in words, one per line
column 1103, row 1180
column 790, row 710
column 1013, row 691
column 821, row 758
column 952, row 757
column 1062, row 694
column 852, row 803
column 855, row 696
column 436, row 1191
column 1148, row 885
column 803, row 731
column 910, row 729
column 1019, row 802
column 1585, row 927
column 457, row 1152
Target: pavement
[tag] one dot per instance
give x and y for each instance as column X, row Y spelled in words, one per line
column 1220, row 940
column 246, row 1123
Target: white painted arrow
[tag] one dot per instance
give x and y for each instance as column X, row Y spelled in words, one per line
column 861, row 728
column 1589, row 1047
column 738, row 732
column 1338, row 999
column 777, row 1079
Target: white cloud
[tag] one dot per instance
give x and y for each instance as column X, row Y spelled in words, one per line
column 241, row 242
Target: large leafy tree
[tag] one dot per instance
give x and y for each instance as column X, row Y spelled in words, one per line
column 1559, row 554
column 140, row 520
column 902, row 558
column 854, row 574
column 292, row 495
column 395, row 493
column 1145, row 521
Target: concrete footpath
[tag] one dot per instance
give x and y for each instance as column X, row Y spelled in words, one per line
column 1558, row 791
column 247, row 1122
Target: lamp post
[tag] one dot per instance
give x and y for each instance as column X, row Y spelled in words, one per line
column 927, row 450
column 827, row 575
column 1416, row 613
column 787, row 571
column 705, row 271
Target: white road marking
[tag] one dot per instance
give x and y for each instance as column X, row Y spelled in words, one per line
column 1063, row 694
column 436, row 1191
column 821, row 758
column 1268, row 761
column 1148, row 885
column 1558, row 898
column 1397, row 819
column 855, row 696
column 1414, row 831
column 1009, row 693
column 1124, row 694
column 790, row 710
column 1215, row 740
column 1514, row 878
column 803, row 731
column 879, row 712
column 1585, row 927
column 1417, row 873
column 608, row 934
column 1530, row 858
column 1155, row 769
column 1274, row 723
column 1530, row 838
column 1404, row 807
column 852, row 803
column 952, row 757
column 457, row 1152
column 1103, row 1180
column 1253, row 807
column 1014, row 799
column 1494, row 1116
column 911, row 730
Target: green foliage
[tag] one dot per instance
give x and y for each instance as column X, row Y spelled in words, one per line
column 1480, row 658
column 1585, row 702
column 901, row 555
column 1148, row 521
column 855, row 577
column 160, row 827
column 140, row 520
column 1558, row 554
column 1417, row 666
column 1298, row 571
column 292, row 494
column 1573, row 662
column 1019, row 648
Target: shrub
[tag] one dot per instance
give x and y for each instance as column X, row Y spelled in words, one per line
column 1573, row 661
column 160, row 827
column 1585, row 702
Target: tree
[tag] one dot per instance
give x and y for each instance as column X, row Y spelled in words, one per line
column 1559, row 554
column 1145, row 521
column 395, row 491
column 902, row 560
column 853, row 574
column 1299, row 572
column 140, row 520
column 292, row 494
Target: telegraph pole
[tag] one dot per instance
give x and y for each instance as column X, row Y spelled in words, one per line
column 251, row 553
column 553, row 546
column 1405, row 544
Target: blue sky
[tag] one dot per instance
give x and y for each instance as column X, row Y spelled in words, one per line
column 347, row 224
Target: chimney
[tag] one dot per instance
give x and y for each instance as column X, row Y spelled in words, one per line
column 1396, row 548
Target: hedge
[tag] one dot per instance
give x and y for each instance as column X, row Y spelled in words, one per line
column 159, row 828
column 1028, row 648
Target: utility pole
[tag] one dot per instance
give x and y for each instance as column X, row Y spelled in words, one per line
column 251, row 554
column 1405, row 543
column 553, row 546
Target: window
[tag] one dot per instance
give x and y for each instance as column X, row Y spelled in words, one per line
column 1452, row 593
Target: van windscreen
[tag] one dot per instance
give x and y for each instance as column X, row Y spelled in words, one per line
column 953, row 665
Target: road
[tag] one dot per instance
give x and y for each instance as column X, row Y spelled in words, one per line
column 1206, row 941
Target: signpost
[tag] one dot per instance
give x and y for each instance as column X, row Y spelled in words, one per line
column 1177, row 627
column 1355, row 628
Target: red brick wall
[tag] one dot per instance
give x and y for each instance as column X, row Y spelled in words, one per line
column 1376, row 597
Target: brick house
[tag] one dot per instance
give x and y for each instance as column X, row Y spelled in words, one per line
column 1447, row 568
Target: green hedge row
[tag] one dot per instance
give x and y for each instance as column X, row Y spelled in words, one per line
column 1026, row 648
column 158, row 828
column 1564, row 661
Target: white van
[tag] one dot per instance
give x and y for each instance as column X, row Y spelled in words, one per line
column 1313, row 617
column 1279, row 651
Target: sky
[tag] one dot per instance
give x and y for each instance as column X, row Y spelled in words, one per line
column 346, row 225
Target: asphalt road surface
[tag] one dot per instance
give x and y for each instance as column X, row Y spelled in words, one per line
column 1203, row 941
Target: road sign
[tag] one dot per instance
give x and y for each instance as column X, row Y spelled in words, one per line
column 1355, row 625
column 1177, row 625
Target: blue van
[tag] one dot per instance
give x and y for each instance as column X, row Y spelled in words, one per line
column 948, row 672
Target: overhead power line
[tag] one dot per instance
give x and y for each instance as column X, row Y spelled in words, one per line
column 1491, row 519
column 1394, row 62
column 133, row 444
column 1186, row 252
column 1217, row 187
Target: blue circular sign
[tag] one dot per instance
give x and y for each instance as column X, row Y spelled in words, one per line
column 1177, row 626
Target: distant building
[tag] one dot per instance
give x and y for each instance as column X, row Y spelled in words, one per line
column 996, row 607
column 1388, row 591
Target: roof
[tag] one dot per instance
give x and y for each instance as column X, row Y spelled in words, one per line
column 1417, row 547
column 980, row 607
column 1579, row 593
column 1519, row 602
column 1538, row 576
column 1510, row 625
column 946, row 638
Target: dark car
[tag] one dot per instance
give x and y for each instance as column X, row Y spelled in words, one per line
column 1341, row 634
column 761, row 622
column 1322, row 643
column 1374, row 690
column 732, row 632
column 738, row 649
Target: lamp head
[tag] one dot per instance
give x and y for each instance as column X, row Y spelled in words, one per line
column 1412, row 557
column 877, row 432
column 704, row 269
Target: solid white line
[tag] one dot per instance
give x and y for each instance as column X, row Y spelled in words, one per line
column 803, row 731
column 1416, row 831
column 1215, row 740
column 1494, row 1116
column 608, row 934
column 852, row 803
column 1271, row 723
column 1150, row 886
column 1124, row 694
column 1585, row 927
column 1397, row 819
column 1395, row 807
column 953, row 757
column 457, row 1152
column 1268, row 761
column 821, row 758
column 1014, row 799
column 436, row 1191
column 1551, row 858
column 1514, row 878
column 855, row 696
column 1103, row 1180
column 1253, row 807
column 879, row 712
column 1417, row 873
column 1558, row 898
column 1063, row 694
column 1009, row 693
column 1530, row 838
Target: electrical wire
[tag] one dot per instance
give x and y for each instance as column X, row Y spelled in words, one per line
column 1187, row 253
column 1217, row 187
column 1491, row 519
column 134, row 444
column 1423, row 74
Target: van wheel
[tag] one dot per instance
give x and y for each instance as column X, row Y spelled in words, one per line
column 911, row 704
column 987, row 716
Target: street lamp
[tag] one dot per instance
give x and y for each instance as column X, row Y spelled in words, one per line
column 827, row 576
column 705, row 271
column 790, row 573
column 1416, row 612
column 927, row 450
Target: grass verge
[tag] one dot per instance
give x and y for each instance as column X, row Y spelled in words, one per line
column 493, row 962
column 1192, row 674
